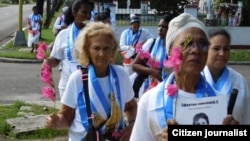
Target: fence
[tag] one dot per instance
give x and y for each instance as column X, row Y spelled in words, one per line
column 147, row 17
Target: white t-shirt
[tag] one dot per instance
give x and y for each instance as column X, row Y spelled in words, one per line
column 236, row 80
column 145, row 35
column 59, row 22
column 60, row 51
column 75, row 84
column 150, row 118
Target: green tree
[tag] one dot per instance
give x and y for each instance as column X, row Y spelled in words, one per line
column 245, row 13
column 51, row 12
column 133, row 4
column 164, row 6
column 122, row 4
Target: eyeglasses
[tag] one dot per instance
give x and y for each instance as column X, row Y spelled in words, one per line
column 203, row 45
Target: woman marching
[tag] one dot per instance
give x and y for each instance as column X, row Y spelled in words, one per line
column 187, row 46
column 62, row 52
column 109, row 89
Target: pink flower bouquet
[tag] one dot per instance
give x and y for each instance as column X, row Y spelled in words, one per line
column 48, row 90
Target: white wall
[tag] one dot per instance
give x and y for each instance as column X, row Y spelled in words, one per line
column 239, row 35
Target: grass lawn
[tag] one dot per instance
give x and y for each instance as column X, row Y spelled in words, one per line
column 11, row 111
column 240, row 55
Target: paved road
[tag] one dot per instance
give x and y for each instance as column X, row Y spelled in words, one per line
column 9, row 20
column 21, row 82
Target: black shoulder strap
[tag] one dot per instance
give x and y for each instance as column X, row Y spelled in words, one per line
column 151, row 47
column 140, row 31
column 86, row 91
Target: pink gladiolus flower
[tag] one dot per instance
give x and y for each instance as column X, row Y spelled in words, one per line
column 42, row 46
column 49, row 93
column 174, row 60
column 46, row 73
column 40, row 55
column 138, row 47
column 172, row 90
column 42, row 52
column 144, row 55
column 153, row 64
column 46, row 77
column 46, row 66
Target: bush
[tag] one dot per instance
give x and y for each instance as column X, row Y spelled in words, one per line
column 5, row 1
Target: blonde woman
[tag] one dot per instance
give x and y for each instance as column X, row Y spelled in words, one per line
column 110, row 91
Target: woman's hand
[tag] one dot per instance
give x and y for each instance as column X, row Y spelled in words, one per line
column 52, row 121
column 63, row 119
column 164, row 134
column 229, row 120
column 155, row 73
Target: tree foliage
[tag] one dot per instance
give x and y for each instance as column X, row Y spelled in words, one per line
column 245, row 13
column 164, row 6
column 51, row 11
column 103, row 1
column 133, row 4
column 245, row 10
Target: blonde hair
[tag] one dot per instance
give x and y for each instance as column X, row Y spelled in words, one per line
column 90, row 30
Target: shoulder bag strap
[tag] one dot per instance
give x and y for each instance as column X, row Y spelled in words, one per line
column 140, row 31
column 150, row 49
column 86, row 92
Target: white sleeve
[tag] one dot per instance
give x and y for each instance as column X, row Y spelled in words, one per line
column 123, row 45
column 57, row 23
column 242, row 101
column 141, row 130
column 246, row 114
column 240, row 112
column 73, row 87
column 146, row 46
column 58, row 49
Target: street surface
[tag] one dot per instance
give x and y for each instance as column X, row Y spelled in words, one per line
column 9, row 20
column 22, row 82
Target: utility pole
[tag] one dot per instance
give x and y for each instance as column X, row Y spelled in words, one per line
column 20, row 36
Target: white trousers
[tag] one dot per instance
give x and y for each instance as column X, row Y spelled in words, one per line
column 33, row 39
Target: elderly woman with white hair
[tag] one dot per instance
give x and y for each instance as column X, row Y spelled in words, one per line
column 187, row 46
